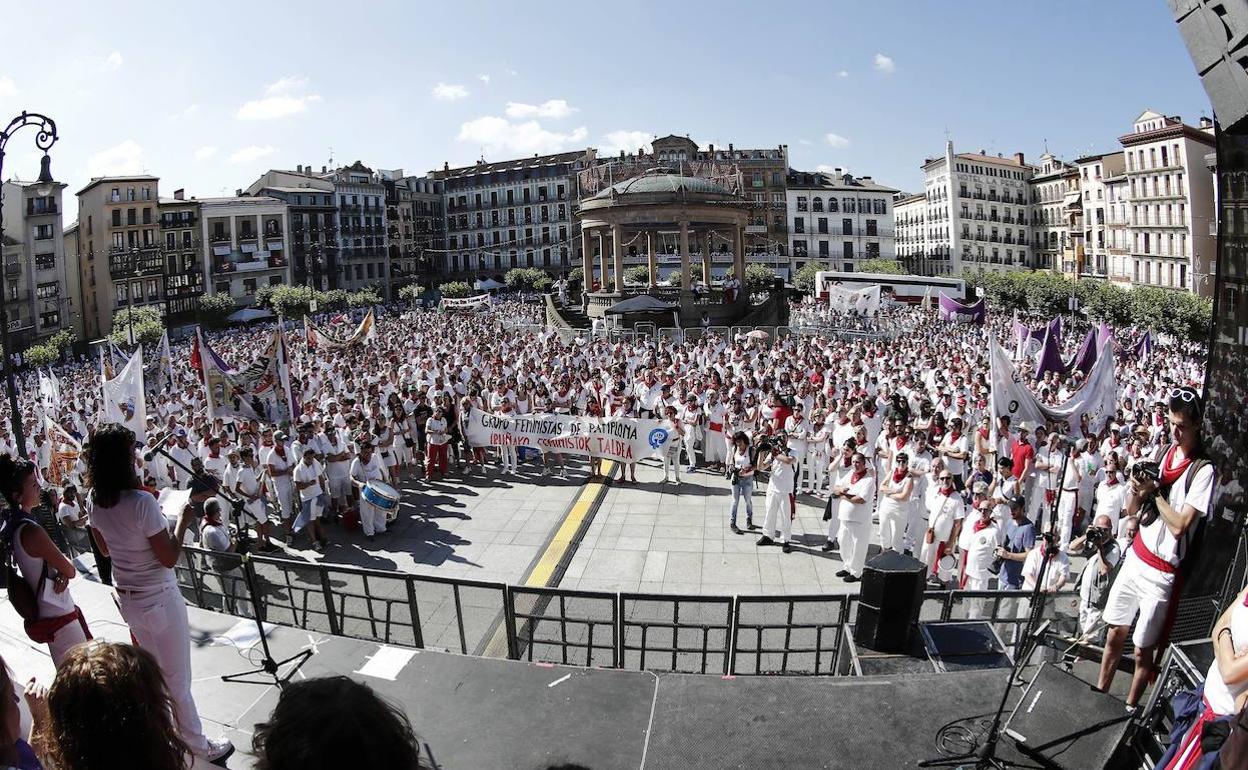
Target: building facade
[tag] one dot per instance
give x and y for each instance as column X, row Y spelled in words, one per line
column 838, row 220
column 1170, row 194
column 1094, row 170
column 362, row 240
column 312, row 242
column 39, row 297
column 183, row 250
column 414, row 216
column 120, row 263
column 514, row 213
column 1053, row 186
column 909, row 226
column 244, row 245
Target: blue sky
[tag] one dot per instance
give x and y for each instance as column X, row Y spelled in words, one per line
column 209, row 95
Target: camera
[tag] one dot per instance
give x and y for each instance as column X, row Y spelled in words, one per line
column 1097, row 536
column 1146, row 470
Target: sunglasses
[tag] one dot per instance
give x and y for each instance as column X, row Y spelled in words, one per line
column 1186, row 395
column 946, row 478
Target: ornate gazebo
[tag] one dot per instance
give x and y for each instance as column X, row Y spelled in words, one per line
column 632, row 218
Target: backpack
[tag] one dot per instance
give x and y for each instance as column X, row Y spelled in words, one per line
column 25, row 600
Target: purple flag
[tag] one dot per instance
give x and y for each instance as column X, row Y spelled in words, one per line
column 1103, row 335
column 1143, row 349
column 952, row 310
column 1085, row 359
column 1050, row 357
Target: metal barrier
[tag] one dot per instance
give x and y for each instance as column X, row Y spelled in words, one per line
column 747, row 635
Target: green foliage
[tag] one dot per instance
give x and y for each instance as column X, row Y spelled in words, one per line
column 758, row 277
column 889, row 266
column 263, row 298
column 576, row 275
column 41, row 355
column 287, row 301
column 215, row 308
column 673, row 278
column 334, row 299
column 455, row 290
column 145, row 322
column 804, row 280
column 525, row 278
column 366, row 297
column 410, row 292
column 543, row 284
column 1177, row 313
column 637, row 274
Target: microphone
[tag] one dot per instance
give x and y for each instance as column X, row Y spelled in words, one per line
column 152, row 451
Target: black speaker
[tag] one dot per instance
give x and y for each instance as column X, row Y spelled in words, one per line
column 778, row 284
column 1065, row 724
column 964, row 645
column 889, row 603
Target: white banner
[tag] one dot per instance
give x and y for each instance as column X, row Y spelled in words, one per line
column 124, row 398
column 862, row 301
column 1011, row 396
column 319, row 338
column 623, row 439
column 479, row 302
column 260, row 390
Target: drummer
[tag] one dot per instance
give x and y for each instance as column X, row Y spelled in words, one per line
column 366, row 467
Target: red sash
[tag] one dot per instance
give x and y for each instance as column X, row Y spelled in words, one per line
column 44, row 630
column 1150, row 558
column 1189, row 754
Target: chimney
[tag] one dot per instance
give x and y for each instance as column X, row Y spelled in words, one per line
column 730, row 147
column 299, row 168
column 446, row 166
column 710, row 148
column 864, row 179
column 1018, row 158
column 238, row 193
column 982, row 151
column 179, row 194
column 324, row 169
column 1206, row 122
column 621, row 155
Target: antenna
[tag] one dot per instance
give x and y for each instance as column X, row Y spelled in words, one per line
column 331, row 156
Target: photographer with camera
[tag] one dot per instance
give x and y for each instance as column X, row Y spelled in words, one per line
column 1171, row 496
column 1103, row 552
column 776, row 458
column 741, row 476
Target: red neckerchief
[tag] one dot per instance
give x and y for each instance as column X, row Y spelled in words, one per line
column 898, row 475
column 954, row 436
column 983, row 433
column 843, row 421
column 855, row 477
column 901, row 442
column 1171, row 473
column 980, row 524
column 948, row 492
column 846, row 462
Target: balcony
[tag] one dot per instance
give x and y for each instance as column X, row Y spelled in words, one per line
column 977, row 196
column 135, row 263
column 219, row 237
column 170, row 223
column 47, row 209
column 12, row 268
column 247, row 237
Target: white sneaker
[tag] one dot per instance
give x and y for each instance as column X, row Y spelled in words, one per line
column 218, row 750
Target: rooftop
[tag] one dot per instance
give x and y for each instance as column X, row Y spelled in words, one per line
column 481, row 167
column 663, row 183
column 95, row 180
column 819, row 180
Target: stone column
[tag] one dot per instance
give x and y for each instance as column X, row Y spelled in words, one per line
column 617, row 255
column 602, row 262
column 684, row 259
column 653, row 269
column 587, row 261
column 706, row 259
column 738, row 260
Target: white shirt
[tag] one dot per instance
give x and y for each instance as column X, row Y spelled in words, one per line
column 848, row 510
column 126, row 528
column 1157, row 535
column 304, row 472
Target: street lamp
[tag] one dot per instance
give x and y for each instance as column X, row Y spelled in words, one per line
column 44, row 141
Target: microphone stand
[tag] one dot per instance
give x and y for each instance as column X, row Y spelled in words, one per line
column 985, row 755
column 268, row 665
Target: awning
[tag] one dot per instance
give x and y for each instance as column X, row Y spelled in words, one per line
column 1073, row 198
column 249, row 314
column 221, row 251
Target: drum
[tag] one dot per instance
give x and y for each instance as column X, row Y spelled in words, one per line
column 383, row 496
column 947, row 567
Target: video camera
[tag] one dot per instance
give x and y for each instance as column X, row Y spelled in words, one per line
column 1146, row 470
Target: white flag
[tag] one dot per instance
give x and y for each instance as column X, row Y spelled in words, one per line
column 1011, row 396
column 123, row 398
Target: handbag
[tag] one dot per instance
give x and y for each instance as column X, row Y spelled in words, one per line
column 25, row 600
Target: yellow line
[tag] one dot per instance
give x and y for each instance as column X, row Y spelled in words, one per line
column 544, row 570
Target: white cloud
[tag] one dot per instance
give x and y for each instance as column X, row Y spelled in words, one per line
column 286, row 85
column 824, row 168
column 251, row 154
column 120, row 159
column 806, row 142
column 186, row 112
column 884, row 64
column 628, row 141
column 7, row 87
column 205, row 152
column 495, row 135
column 845, row 73
column 551, row 108
column 449, row 92
column 836, row 140
column 275, row 107
column 113, row 62
column 484, row 79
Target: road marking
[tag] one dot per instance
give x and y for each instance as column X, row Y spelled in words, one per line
column 567, row 534
column 560, row 680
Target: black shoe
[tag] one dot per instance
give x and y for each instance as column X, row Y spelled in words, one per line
column 764, row 540
column 842, row 573
column 826, row 547
column 750, row 525
column 786, row 547
column 834, row 543
column 735, row 529
column 908, row 552
column 852, row 578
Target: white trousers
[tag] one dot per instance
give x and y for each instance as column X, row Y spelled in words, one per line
column 372, row 518
column 64, row 640
column 855, row 536
column 778, row 516
column 715, row 449
column 893, row 520
column 916, row 526
column 1066, row 517
column 281, row 490
column 157, row 619
column 507, row 458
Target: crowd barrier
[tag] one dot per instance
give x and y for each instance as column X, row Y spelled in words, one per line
column 739, row 635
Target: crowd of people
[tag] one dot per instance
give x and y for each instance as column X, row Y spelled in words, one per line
column 891, row 433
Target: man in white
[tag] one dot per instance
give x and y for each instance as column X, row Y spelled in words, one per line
column 944, row 509
column 714, row 448
column 894, row 510
column 779, row 500
column 797, row 430
column 856, row 499
column 979, row 540
column 691, row 418
column 247, row 485
column 277, row 461
column 365, row 468
column 312, row 488
column 1171, row 508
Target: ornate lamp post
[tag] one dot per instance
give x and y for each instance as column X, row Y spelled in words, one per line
column 44, row 139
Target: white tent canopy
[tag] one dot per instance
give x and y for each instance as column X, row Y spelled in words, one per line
column 488, row 284
column 249, row 314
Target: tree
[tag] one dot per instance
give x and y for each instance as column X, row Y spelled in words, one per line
column 289, row 301
column 334, row 299
column 145, row 323
column 410, row 293
column 366, row 297
column 673, row 278
column 455, row 290
column 524, row 278
column 637, row 274
column 804, row 280
column 758, row 277
column 263, row 297
column 888, row 266
column 576, row 275
column 40, row 355
column 215, row 308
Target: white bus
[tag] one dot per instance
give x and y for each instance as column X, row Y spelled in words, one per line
column 902, row 288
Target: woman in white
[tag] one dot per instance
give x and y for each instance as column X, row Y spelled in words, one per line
column 815, row 465
column 129, row 527
column 44, row 568
column 671, row 454
column 894, row 506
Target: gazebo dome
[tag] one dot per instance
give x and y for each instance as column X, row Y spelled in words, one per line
column 659, row 184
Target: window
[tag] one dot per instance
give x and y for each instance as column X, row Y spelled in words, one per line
column 847, row 250
column 879, row 206
column 47, row 291
column 823, row 224
column 275, row 280
column 799, row 224
column 43, row 232
column 171, row 241
column 823, row 248
column 50, row 318
column 249, row 286
column 847, row 205
column 801, row 203
column 45, row 261
column 153, row 289
column 832, row 205
column 817, row 204
column 123, row 293
column 847, row 224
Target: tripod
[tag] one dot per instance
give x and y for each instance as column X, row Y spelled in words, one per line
column 268, row 665
column 984, row 756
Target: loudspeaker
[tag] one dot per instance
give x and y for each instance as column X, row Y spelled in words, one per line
column 889, row 603
column 964, row 645
column 1065, row 724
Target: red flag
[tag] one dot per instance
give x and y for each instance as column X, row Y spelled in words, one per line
column 196, row 362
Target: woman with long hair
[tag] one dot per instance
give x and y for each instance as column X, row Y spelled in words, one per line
column 131, row 529
column 45, row 569
column 15, row 752
column 109, row 707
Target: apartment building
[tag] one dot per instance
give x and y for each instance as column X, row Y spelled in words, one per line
column 839, row 220
column 1054, row 199
column 182, row 247
column 39, row 297
column 909, row 227
column 1094, row 170
column 244, row 244
column 312, row 242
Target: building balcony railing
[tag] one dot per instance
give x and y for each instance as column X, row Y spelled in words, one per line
column 171, row 223
column 37, row 211
column 219, row 238
column 248, row 237
column 12, row 268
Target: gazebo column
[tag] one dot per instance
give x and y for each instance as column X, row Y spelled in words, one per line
column 684, row 258
column 652, row 267
column 602, row 263
column 706, row 259
column 587, row 262
column 617, row 253
column 738, row 259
